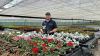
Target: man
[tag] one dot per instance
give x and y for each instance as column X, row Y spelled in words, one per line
column 49, row 26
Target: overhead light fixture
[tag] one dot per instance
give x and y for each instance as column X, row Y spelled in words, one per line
column 1, row 10
column 12, row 3
column 8, row 6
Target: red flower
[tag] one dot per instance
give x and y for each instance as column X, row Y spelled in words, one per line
column 35, row 43
column 44, row 45
column 35, row 50
column 50, row 40
column 70, row 43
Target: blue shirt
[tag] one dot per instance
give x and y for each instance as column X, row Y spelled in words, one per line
column 49, row 26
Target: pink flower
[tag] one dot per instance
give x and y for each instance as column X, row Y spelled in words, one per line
column 49, row 37
column 50, row 40
column 43, row 39
column 44, row 49
column 27, row 38
column 40, row 36
column 16, row 38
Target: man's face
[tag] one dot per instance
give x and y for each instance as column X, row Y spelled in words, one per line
column 48, row 17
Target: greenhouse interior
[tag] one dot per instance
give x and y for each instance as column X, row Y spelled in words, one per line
column 49, row 27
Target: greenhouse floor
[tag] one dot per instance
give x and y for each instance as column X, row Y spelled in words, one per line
column 97, row 50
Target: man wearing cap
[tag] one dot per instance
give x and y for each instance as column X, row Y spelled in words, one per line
column 49, row 26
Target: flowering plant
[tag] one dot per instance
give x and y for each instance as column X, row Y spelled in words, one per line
column 44, row 44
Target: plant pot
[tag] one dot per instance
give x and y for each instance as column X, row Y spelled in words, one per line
column 68, row 51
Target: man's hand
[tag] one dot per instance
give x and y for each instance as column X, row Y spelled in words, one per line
column 41, row 31
column 51, row 32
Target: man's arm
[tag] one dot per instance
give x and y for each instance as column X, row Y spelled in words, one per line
column 41, row 30
column 55, row 28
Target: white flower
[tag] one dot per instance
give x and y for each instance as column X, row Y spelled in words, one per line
column 18, row 32
column 10, row 33
column 2, row 33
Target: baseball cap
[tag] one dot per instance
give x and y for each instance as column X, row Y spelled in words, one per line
column 47, row 13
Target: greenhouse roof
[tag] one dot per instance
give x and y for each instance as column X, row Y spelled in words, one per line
column 67, row 9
